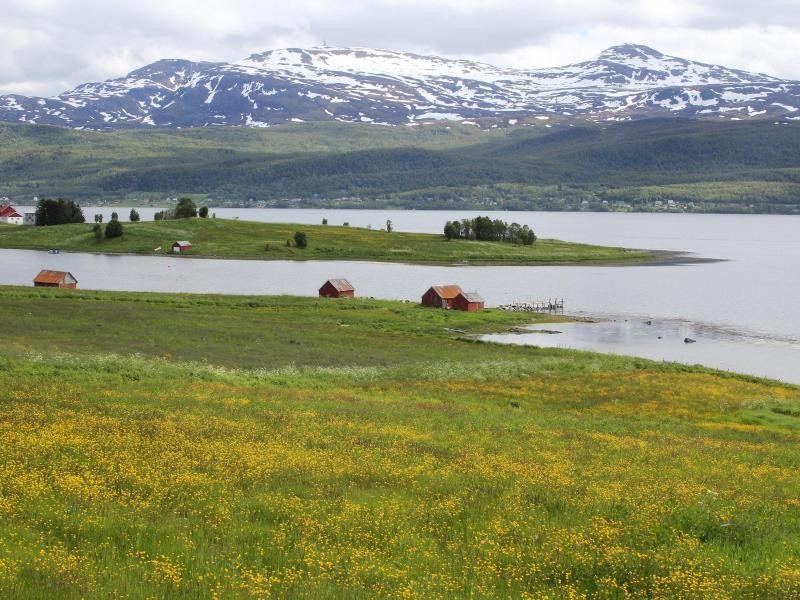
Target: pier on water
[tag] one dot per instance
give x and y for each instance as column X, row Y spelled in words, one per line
column 549, row 305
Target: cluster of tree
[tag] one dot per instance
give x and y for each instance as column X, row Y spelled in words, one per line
column 112, row 230
column 114, row 227
column 58, row 212
column 485, row 229
column 186, row 209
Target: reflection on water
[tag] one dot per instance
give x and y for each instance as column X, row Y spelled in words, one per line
column 669, row 340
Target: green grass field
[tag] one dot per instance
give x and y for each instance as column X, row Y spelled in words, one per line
column 267, row 241
column 186, row 446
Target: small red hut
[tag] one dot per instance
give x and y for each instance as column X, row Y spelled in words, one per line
column 181, row 246
column 337, row 288
column 441, row 296
column 469, row 301
column 59, row 279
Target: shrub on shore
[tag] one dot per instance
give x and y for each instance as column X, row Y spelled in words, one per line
column 114, row 229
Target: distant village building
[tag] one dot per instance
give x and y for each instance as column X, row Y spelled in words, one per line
column 469, row 301
column 441, row 296
column 59, row 279
column 10, row 216
column 337, row 288
column 29, row 218
column 181, row 246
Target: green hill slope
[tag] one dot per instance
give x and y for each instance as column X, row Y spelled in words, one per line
column 746, row 166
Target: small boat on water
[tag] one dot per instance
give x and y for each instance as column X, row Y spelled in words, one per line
column 54, row 250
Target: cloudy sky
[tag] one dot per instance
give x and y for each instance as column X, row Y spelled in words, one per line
column 47, row 46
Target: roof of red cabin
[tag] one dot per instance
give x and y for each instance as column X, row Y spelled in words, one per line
column 341, row 285
column 182, row 243
column 8, row 211
column 448, row 292
column 46, row 276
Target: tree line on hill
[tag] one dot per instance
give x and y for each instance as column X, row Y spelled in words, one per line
column 61, row 212
column 486, row 229
column 58, row 212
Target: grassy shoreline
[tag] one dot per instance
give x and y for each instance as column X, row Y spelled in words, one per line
column 218, row 329
column 221, row 238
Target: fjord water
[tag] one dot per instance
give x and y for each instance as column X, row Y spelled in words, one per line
column 744, row 311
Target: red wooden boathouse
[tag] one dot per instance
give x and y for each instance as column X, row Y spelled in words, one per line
column 469, row 301
column 337, row 288
column 441, row 296
column 59, row 279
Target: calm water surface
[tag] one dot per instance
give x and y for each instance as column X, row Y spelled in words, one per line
column 744, row 312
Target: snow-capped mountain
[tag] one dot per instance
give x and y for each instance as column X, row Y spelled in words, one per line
column 378, row 86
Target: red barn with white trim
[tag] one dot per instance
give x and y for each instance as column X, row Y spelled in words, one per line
column 10, row 216
column 181, row 246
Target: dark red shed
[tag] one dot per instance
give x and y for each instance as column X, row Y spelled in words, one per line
column 469, row 301
column 441, row 296
column 337, row 288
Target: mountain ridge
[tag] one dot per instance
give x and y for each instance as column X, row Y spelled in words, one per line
column 624, row 82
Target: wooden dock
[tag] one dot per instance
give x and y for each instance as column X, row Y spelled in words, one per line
column 549, row 305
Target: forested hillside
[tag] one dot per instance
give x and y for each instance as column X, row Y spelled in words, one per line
column 748, row 167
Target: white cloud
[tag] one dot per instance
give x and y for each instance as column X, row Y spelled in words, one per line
column 724, row 47
column 51, row 45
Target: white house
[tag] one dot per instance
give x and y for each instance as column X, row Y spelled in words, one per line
column 10, row 216
column 29, row 218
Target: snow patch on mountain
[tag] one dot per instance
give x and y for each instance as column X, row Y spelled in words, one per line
column 384, row 87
